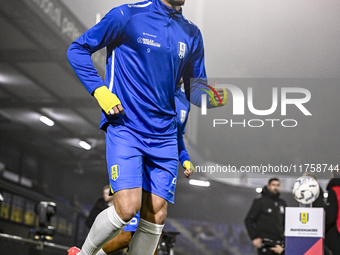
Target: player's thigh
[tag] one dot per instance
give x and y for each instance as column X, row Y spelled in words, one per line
column 124, row 159
column 127, row 202
column 154, row 208
column 160, row 169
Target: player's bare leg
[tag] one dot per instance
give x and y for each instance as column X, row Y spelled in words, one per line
column 110, row 221
column 154, row 208
column 153, row 215
column 127, row 203
column 121, row 241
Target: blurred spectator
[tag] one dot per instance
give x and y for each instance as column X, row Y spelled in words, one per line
column 265, row 220
column 231, row 235
column 101, row 204
column 203, row 233
column 243, row 239
column 332, row 239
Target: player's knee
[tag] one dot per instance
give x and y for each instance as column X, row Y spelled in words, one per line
column 126, row 214
column 127, row 211
column 160, row 216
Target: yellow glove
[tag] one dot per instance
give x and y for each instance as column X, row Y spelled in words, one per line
column 212, row 99
column 106, row 99
column 188, row 165
column 213, row 92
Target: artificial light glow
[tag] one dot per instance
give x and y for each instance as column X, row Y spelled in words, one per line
column 325, row 195
column 47, row 121
column 199, row 183
column 258, row 190
column 85, row 145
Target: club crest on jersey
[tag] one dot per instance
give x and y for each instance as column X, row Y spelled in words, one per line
column 182, row 50
column 115, row 172
column 183, row 115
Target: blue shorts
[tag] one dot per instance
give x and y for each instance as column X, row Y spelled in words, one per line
column 132, row 226
column 136, row 161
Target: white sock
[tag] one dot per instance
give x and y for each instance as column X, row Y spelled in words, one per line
column 145, row 239
column 106, row 226
column 101, row 252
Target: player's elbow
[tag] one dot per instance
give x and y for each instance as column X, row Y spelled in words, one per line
column 71, row 51
column 75, row 52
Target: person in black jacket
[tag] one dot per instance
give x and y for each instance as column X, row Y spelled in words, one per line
column 265, row 220
column 319, row 202
column 101, row 204
column 332, row 239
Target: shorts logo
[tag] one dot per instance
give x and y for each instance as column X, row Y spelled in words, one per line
column 134, row 221
column 304, row 217
column 115, row 172
column 183, row 115
column 174, row 180
column 182, row 50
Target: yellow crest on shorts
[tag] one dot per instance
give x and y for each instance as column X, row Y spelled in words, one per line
column 115, row 171
column 304, row 217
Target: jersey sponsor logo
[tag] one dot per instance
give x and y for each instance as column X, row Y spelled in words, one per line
column 154, row 36
column 182, row 50
column 304, row 217
column 183, row 115
column 115, row 172
column 148, row 42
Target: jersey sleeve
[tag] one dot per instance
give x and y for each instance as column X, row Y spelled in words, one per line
column 106, row 32
column 195, row 75
column 251, row 218
column 182, row 150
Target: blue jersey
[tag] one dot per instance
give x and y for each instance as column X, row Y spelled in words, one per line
column 182, row 109
column 149, row 48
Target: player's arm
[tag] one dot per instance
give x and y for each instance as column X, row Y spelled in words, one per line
column 106, row 32
column 184, row 158
column 199, row 85
column 250, row 222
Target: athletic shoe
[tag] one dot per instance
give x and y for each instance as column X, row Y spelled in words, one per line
column 73, row 251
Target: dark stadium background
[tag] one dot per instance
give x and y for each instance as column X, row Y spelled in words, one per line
column 252, row 39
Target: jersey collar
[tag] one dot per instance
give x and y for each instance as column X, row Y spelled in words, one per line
column 166, row 10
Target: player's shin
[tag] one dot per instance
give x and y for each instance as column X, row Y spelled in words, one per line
column 106, row 226
column 145, row 240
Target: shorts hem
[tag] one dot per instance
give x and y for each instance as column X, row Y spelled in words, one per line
column 170, row 199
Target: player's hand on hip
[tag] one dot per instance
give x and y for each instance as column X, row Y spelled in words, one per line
column 257, row 242
column 108, row 101
column 277, row 249
column 189, row 168
column 188, row 173
column 218, row 96
column 116, row 110
column 222, row 93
